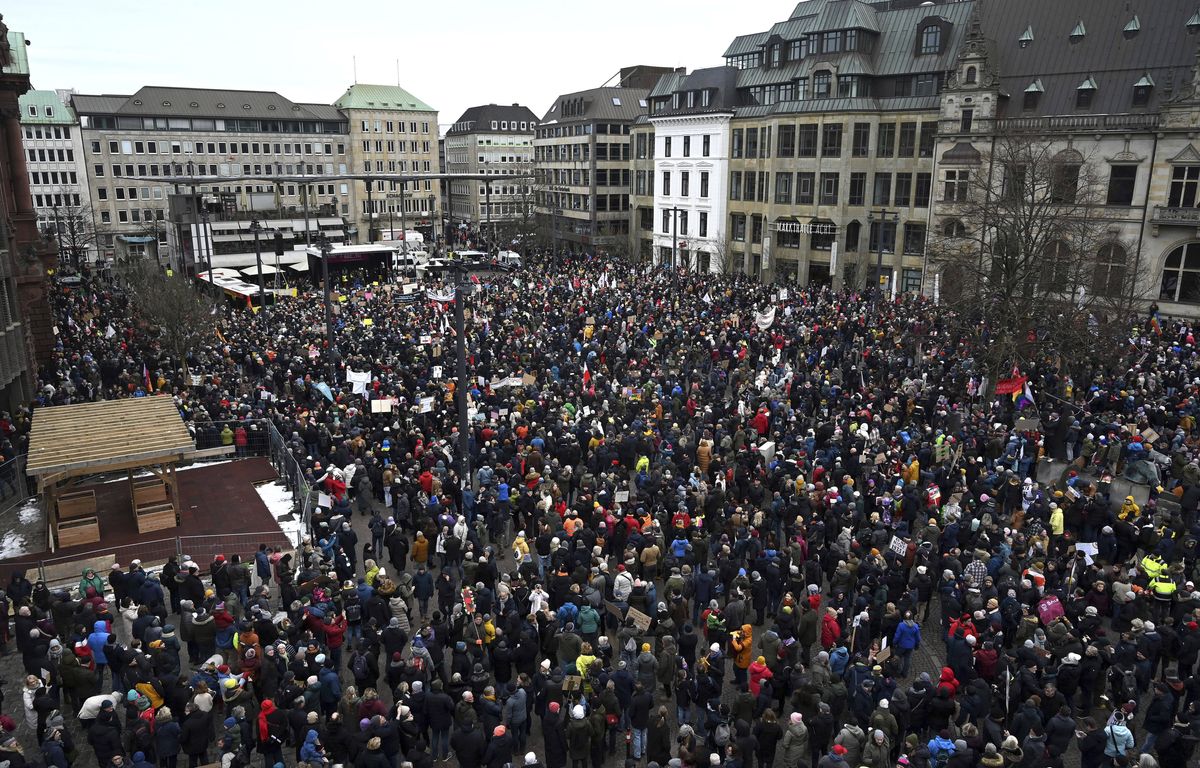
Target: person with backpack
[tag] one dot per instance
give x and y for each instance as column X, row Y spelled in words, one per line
column 364, row 666
column 1118, row 739
column 941, row 749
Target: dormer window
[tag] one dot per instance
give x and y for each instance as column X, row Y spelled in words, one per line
column 1133, row 27
column 831, row 42
column 972, row 76
column 931, row 40
column 1142, row 89
column 1026, row 37
column 776, row 56
column 1078, row 32
column 1033, row 94
column 1084, row 93
column 1193, row 24
column 821, row 84
column 705, row 98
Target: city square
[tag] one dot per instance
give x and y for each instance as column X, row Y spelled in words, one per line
column 834, row 407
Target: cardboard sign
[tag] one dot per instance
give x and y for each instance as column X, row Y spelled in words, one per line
column 572, row 683
column 640, row 620
column 1150, row 435
column 1049, row 608
column 426, row 338
column 437, row 371
column 614, row 609
column 883, row 655
column 529, row 380
column 1028, row 425
column 622, row 496
column 426, row 404
column 899, row 546
column 384, row 405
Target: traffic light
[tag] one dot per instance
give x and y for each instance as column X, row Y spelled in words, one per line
column 278, row 243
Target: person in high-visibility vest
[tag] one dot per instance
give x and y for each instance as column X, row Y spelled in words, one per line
column 1164, row 588
column 1153, row 565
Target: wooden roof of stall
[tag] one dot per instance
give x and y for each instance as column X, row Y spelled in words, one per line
column 86, row 438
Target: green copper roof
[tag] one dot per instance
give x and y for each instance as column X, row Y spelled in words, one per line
column 365, row 96
column 20, row 54
column 58, row 114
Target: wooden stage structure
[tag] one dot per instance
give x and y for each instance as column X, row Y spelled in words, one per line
column 70, row 443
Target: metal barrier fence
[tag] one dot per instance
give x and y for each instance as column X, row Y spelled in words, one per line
column 292, row 475
column 15, row 487
column 66, row 569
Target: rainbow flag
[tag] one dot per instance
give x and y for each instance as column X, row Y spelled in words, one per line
column 1156, row 323
column 1023, row 398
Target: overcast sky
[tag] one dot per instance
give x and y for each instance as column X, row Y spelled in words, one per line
column 453, row 55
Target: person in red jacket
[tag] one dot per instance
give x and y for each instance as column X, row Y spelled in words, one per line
column 335, row 637
column 948, row 682
column 830, row 629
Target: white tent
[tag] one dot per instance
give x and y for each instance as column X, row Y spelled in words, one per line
column 267, row 269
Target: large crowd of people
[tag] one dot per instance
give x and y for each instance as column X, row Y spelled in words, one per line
column 708, row 522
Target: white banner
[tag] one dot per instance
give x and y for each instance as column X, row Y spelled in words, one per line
column 764, row 320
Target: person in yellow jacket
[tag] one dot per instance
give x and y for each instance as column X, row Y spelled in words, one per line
column 1057, row 526
column 1129, row 510
column 741, row 644
column 1153, row 566
column 912, row 473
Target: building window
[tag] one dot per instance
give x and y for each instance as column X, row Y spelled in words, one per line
column 831, row 140
column 831, row 42
column 862, row 140
column 684, row 183
column 808, row 141
column 1064, row 182
column 739, row 227
column 903, row 189
column 850, row 87
column 955, row 190
column 703, row 183
column 1109, row 276
column 883, row 189
column 924, row 190
column 953, row 228
column 786, row 146
column 931, row 40
column 1084, row 94
column 885, row 145
column 1185, row 180
column 666, row 146
column 829, row 188
column 1121, row 180
column 965, row 120
column 972, row 75
column 853, row 236
column 687, row 146
column 908, row 139
column 882, row 237
column 821, row 85
column 751, row 143
column 858, row 189
column 737, row 142
column 703, row 224
column 783, row 187
column 666, row 184
column 705, row 145
column 805, row 182
column 1181, row 275
column 735, row 185
column 914, row 238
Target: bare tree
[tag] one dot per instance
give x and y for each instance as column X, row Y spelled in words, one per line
column 1027, row 265
column 721, row 257
column 169, row 305
column 79, row 232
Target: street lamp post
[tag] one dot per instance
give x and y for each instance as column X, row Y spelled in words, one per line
column 256, row 228
column 326, row 249
column 460, row 347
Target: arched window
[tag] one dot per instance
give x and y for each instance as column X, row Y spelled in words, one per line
column 954, row 228
column 1109, row 276
column 1181, row 275
column 931, row 39
column 972, row 74
column 853, row 236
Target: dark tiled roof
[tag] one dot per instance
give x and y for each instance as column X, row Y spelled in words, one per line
column 1116, row 60
column 160, row 101
column 722, row 80
column 600, row 104
column 484, row 115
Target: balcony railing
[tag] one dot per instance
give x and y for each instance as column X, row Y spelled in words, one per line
column 1189, row 217
column 1138, row 122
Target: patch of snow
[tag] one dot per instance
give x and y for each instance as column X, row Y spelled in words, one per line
column 13, row 545
column 30, row 512
column 280, row 502
column 197, row 465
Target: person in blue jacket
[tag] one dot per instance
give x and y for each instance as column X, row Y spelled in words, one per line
column 96, row 641
column 906, row 640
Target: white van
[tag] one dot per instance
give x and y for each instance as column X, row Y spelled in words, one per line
column 409, row 260
column 508, row 259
